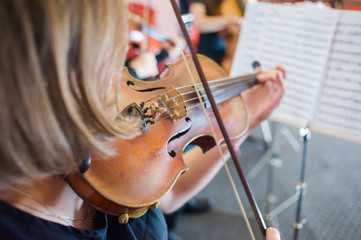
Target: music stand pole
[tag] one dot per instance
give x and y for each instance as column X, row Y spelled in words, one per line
column 305, row 134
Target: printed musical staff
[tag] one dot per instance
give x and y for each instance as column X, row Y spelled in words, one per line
column 321, row 52
column 297, row 39
column 339, row 109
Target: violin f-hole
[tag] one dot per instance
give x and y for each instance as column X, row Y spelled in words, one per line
column 171, row 152
column 131, row 84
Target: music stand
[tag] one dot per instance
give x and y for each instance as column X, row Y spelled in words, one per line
column 301, row 188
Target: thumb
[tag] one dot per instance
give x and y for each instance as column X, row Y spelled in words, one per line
column 272, row 234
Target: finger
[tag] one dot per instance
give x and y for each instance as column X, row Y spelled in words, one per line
column 257, row 69
column 272, row 234
column 272, row 75
column 280, row 68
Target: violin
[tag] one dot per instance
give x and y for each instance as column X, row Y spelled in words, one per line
column 145, row 168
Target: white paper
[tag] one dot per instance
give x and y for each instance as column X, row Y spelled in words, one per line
column 321, row 52
column 339, row 108
column 296, row 38
column 248, row 43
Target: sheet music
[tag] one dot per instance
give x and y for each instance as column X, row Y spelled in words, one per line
column 254, row 21
column 299, row 39
column 339, row 108
column 321, row 51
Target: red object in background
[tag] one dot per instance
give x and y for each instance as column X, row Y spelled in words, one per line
column 133, row 51
column 194, row 33
column 143, row 17
column 354, row 8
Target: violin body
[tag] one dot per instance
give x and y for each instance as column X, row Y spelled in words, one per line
column 145, row 168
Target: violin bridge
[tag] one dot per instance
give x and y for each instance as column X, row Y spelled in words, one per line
column 174, row 102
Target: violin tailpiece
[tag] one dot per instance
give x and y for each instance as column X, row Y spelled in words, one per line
column 136, row 111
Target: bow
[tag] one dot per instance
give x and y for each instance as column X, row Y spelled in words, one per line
column 247, row 188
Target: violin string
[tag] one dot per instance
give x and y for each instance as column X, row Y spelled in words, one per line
column 185, row 86
column 198, row 103
column 187, row 108
column 211, row 127
column 188, row 100
column 213, row 86
column 222, row 80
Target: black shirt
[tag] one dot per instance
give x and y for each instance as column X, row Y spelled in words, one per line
column 16, row 224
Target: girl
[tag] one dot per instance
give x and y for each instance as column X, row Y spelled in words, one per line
column 57, row 58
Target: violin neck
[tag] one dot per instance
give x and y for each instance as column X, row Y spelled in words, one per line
column 224, row 89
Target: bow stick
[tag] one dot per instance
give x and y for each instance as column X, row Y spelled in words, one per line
column 246, row 186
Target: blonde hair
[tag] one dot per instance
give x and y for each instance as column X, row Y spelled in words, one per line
column 56, row 62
